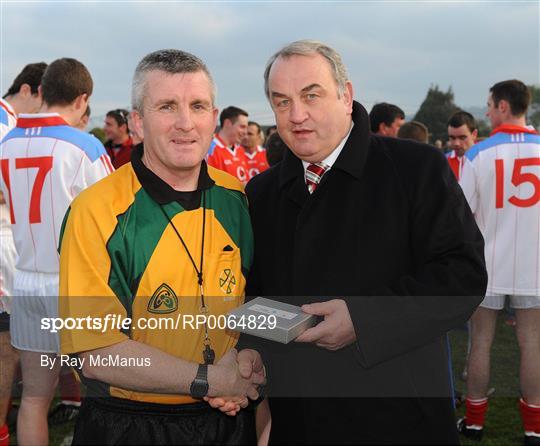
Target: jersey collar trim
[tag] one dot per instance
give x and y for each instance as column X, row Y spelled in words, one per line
column 507, row 128
column 220, row 141
column 8, row 108
column 158, row 189
column 40, row 120
column 250, row 155
column 231, row 149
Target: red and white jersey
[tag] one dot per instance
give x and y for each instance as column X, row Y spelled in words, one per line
column 256, row 161
column 8, row 118
column 228, row 159
column 501, row 180
column 456, row 163
column 5, row 222
column 44, row 164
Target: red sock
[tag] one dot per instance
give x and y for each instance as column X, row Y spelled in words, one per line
column 4, row 435
column 475, row 411
column 530, row 415
column 70, row 390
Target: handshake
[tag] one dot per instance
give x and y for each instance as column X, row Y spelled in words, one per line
column 234, row 380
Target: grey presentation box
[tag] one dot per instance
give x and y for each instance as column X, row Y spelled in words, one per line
column 291, row 321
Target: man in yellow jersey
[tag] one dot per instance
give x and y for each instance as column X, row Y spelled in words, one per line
column 165, row 243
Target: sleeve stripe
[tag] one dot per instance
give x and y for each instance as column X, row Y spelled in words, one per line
column 106, row 162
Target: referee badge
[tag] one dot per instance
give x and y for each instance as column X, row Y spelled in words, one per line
column 163, row 300
column 227, row 281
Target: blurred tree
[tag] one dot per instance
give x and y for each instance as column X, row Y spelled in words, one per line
column 484, row 128
column 435, row 111
column 534, row 110
column 98, row 133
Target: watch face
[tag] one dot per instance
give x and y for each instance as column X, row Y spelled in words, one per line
column 198, row 388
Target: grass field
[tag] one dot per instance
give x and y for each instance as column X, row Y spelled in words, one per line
column 503, row 424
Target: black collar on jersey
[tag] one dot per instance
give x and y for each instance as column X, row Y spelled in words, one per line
column 160, row 191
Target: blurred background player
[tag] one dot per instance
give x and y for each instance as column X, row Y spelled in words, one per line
column 275, row 149
column 414, row 130
column 65, row 161
column 135, row 136
column 225, row 152
column 22, row 97
column 119, row 143
column 255, row 154
column 83, row 123
column 501, row 180
column 262, row 137
column 269, row 132
column 462, row 133
column 386, row 119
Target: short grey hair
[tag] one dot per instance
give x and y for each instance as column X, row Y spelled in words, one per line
column 168, row 61
column 309, row 48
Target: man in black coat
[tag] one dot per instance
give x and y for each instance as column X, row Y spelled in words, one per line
column 374, row 236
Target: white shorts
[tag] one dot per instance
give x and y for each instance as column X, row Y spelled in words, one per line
column 7, row 269
column 35, row 296
column 496, row 302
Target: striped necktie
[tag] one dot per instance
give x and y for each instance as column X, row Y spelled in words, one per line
column 314, row 173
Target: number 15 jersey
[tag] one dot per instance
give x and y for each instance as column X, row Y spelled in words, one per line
column 501, row 181
column 44, row 164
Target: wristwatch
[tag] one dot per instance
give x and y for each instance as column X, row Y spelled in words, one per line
column 199, row 386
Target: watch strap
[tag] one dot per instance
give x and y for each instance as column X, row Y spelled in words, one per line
column 200, row 382
column 202, row 372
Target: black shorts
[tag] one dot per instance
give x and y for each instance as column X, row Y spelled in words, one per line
column 363, row 421
column 4, row 322
column 116, row 421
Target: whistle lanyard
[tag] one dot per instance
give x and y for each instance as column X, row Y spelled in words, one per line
column 208, row 353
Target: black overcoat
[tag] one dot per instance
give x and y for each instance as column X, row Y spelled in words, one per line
column 389, row 231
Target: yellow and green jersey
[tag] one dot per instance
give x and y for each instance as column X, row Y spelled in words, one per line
column 120, row 255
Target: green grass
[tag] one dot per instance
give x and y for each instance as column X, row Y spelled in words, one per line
column 59, row 433
column 503, row 424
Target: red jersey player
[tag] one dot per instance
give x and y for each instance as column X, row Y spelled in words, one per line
column 462, row 133
column 255, row 154
column 225, row 152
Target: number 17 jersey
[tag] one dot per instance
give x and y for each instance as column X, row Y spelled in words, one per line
column 44, row 164
column 501, row 181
